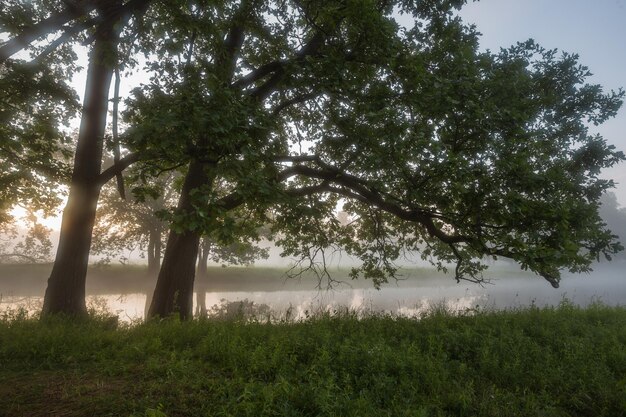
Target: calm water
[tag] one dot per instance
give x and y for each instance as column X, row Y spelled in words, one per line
column 409, row 298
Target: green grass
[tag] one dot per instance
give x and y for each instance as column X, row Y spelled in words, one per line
column 563, row 361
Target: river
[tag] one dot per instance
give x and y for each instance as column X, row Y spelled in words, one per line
column 417, row 293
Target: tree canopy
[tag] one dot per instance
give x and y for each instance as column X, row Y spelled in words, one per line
column 299, row 108
column 433, row 146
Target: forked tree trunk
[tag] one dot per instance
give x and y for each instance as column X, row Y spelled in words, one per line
column 174, row 288
column 66, row 286
column 202, row 285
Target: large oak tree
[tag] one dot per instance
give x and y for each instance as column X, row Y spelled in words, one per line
column 431, row 145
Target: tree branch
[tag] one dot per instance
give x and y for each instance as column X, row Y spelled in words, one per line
column 268, row 87
column 294, row 100
column 258, row 74
column 225, row 64
column 56, row 21
column 44, row 27
column 116, row 140
column 65, row 36
column 372, row 197
column 296, row 158
column 122, row 13
column 117, row 168
column 19, row 255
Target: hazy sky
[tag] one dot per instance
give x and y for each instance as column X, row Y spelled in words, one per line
column 595, row 30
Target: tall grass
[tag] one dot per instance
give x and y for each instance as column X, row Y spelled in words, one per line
column 563, row 361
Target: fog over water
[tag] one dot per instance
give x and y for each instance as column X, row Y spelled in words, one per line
column 124, row 289
column 264, row 291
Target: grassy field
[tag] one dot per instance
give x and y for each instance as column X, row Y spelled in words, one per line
column 563, row 361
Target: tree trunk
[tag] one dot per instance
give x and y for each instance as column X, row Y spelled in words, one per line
column 202, row 285
column 66, row 286
column 154, row 263
column 174, row 288
column 154, row 252
column 158, row 247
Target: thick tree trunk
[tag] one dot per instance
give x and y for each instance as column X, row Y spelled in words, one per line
column 66, row 286
column 174, row 289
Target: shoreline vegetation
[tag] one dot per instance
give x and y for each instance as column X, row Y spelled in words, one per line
column 554, row 361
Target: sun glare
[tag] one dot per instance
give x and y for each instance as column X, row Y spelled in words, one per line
column 52, row 222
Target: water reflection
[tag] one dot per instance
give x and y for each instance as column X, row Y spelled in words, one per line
column 402, row 300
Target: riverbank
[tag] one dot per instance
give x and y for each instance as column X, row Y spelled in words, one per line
column 563, row 361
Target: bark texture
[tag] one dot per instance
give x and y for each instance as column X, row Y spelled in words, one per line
column 66, row 286
column 174, row 289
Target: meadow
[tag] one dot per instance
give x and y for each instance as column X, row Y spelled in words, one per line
column 555, row 361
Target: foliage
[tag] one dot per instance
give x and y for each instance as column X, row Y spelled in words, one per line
column 37, row 105
column 8, row 232
column 429, row 144
column 296, row 107
column 125, row 225
column 26, row 241
column 235, row 253
column 553, row 362
column 455, row 154
column 137, row 224
column 244, row 310
column 614, row 216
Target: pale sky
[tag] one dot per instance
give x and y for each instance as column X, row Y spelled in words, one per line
column 594, row 29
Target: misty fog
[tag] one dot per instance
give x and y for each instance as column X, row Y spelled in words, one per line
column 125, row 292
column 122, row 287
